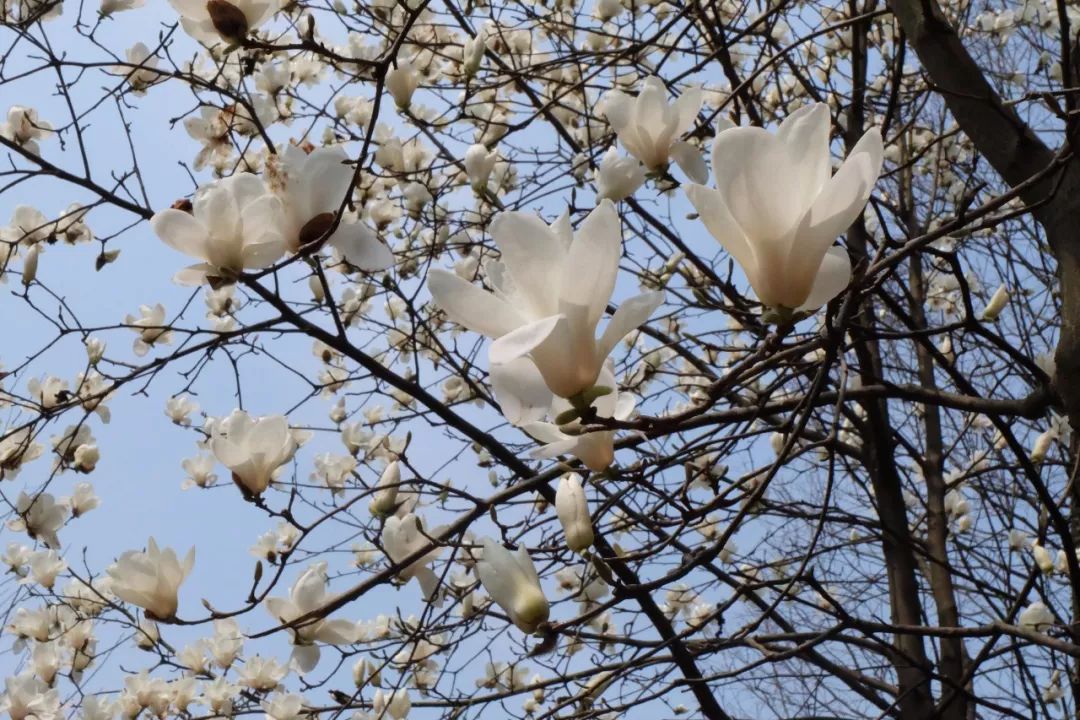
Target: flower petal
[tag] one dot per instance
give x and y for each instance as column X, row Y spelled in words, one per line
column 832, row 277
column 692, row 162
column 180, row 231
column 522, row 340
column 470, row 306
column 631, row 314
column 520, row 390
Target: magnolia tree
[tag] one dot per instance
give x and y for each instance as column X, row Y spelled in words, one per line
column 542, row 359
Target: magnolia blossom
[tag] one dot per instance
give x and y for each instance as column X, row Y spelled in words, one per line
column 617, row 178
column 306, row 596
column 550, row 291
column 479, row 162
column 402, row 81
column 25, row 128
column 312, row 187
column 511, row 580
column 385, row 501
column 1037, row 617
column 26, row 697
column 255, row 448
column 997, row 303
column 145, row 74
column 209, row 21
column 235, row 225
column 151, row 327
column 40, row 516
column 403, row 536
column 392, row 703
column 525, row 401
column 151, row 579
column 778, row 209
column 650, row 129
column 573, row 510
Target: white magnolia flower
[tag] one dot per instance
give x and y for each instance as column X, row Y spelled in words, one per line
column 392, row 703
column 210, row 21
column 402, row 81
column 1037, row 617
column 525, row 401
column 617, row 178
column 479, row 162
column 306, row 596
column 403, row 536
column 777, row 208
column 511, row 580
column 151, row 579
column 254, row 448
column 312, row 187
column 385, row 501
column 650, row 129
column 235, row 225
column 550, row 291
column 151, row 328
column 27, row 697
column 145, row 73
column 572, row 508
column 284, row 706
column 24, row 128
column 40, row 516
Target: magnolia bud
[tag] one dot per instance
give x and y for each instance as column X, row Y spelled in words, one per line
column 30, row 265
column 401, row 82
column 385, row 501
column 573, row 510
column 997, row 303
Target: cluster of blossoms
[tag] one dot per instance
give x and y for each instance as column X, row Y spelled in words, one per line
column 360, row 213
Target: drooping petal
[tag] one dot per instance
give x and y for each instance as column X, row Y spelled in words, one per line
column 520, row 390
column 471, row 307
column 692, row 162
column 832, row 277
column 522, row 340
column 336, row 632
column 306, row 657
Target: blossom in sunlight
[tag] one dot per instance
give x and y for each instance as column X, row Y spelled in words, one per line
column 24, row 128
column 312, row 187
column 210, row 21
column 16, row 448
column 255, row 448
column 1037, row 617
column 403, row 536
column 550, row 291
column 235, row 225
column 511, row 580
column 306, row 596
column 151, row 328
column 151, row 579
column 777, row 208
column 617, row 178
column 572, row 508
column 284, row 706
column 650, row 129
column 526, row 402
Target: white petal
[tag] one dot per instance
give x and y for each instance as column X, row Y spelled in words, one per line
column 360, row 246
column 468, row 305
column 806, row 134
column 522, row 340
column 631, row 314
column 180, row 231
column 533, row 255
column 592, row 264
column 722, row 226
column 692, row 162
column 832, row 277
column 520, row 391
